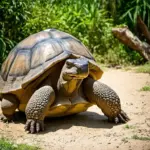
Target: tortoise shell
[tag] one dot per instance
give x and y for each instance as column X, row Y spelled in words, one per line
column 33, row 56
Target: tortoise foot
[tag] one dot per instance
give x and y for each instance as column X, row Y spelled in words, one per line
column 34, row 126
column 6, row 118
column 120, row 118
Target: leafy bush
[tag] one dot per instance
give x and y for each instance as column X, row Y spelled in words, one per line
column 84, row 19
column 14, row 13
column 135, row 8
column 88, row 20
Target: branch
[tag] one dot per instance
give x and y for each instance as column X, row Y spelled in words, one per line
column 143, row 28
column 127, row 38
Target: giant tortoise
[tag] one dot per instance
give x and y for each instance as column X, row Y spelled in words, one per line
column 52, row 74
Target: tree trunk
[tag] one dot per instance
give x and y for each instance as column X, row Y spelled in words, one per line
column 127, row 38
column 143, row 29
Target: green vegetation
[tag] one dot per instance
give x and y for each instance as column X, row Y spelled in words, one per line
column 145, row 88
column 129, row 127
column 89, row 20
column 7, row 145
column 12, row 20
column 135, row 8
column 144, row 68
column 135, row 137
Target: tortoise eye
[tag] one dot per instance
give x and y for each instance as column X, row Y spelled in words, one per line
column 69, row 62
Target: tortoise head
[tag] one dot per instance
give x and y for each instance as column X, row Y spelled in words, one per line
column 76, row 69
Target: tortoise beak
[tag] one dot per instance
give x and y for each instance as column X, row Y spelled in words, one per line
column 79, row 73
column 77, row 68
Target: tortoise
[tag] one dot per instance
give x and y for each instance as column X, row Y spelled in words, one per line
column 52, row 74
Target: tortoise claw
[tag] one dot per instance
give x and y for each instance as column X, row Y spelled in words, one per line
column 124, row 115
column 120, row 118
column 116, row 120
column 34, row 126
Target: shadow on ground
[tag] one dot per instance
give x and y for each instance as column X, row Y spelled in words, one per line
column 86, row 119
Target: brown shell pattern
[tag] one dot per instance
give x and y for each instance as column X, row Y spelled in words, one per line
column 36, row 54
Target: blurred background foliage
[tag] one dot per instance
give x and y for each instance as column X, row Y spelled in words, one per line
column 89, row 20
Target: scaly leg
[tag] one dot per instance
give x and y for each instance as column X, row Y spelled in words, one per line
column 106, row 99
column 36, row 108
column 8, row 105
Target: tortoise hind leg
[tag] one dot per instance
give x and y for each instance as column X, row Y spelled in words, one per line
column 37, row 107
column 106, row 99
column 8, row 105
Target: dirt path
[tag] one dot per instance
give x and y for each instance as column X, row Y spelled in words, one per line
column 90, row 130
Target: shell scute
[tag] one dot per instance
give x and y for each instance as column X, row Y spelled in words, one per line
column 21, row 65
column 30, row 41
column 33, row 56
column 45, row 51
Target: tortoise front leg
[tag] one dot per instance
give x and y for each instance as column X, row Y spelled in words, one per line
column 37, row 107
column 8, row 105
column 106, row 99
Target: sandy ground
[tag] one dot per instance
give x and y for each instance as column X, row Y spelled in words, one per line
column 90, row 130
